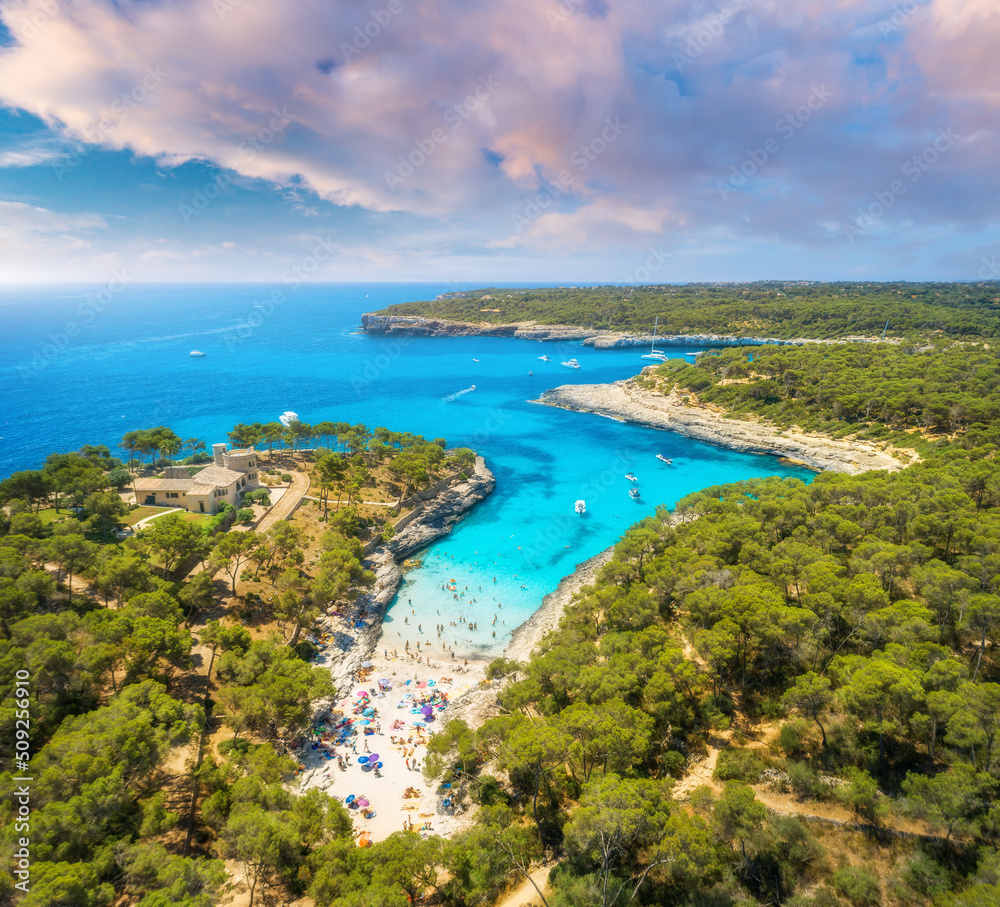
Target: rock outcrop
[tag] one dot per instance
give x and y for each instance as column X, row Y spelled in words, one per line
column 625, row 400
column 419, row 325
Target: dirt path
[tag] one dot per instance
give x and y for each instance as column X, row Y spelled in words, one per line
column 289, row 501
column 525, row 895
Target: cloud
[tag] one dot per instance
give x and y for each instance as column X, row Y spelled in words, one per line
column 458, row 111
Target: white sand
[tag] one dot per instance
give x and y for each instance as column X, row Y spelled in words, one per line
column 393, row 811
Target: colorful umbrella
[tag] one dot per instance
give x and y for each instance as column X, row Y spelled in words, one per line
column 363, row 802
column 363, row 760
column 373, row 757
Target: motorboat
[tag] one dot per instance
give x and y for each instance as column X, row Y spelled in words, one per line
column 571, row 363
column 545, row 358
column 580, row 507
column 664, row 459
column 633, row 493
column 631, row 477
column 287, row 418
column 198, row 354
column 654, row 353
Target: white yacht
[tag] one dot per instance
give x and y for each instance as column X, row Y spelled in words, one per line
column 198, row 354
column 654, row 353
column 664, row 459
column 545, row 358
column 571, row 363
column 581, row 506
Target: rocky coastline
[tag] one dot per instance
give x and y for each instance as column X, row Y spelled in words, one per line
column 627, row 401
column 435, row 518
column 601, row 339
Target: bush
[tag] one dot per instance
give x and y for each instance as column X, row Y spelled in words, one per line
column 804, row 780
column 257, row 496
column 858, row 885
column 793, row 737
column 285, row 477
column 244, row 515
column 737, row 764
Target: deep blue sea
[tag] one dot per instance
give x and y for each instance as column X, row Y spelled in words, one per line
column 80, row 365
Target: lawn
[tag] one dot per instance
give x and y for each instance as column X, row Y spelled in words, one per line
column 140, row 513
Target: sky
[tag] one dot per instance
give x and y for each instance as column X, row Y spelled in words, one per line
column 475, row 141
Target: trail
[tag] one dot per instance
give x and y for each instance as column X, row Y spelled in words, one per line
column 525, row 895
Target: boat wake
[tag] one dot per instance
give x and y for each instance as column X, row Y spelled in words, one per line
column 452, row 397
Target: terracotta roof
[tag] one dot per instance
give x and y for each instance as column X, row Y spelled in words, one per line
column 163, row 484
column 218, row 476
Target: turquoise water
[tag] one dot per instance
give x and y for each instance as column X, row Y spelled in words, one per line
column 77, row 368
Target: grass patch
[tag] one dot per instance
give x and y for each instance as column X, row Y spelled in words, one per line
column 140, row 513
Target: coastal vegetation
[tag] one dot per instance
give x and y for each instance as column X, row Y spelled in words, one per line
column 163, row 675
column 778, row 309
column 833, row 640
column 937, row 390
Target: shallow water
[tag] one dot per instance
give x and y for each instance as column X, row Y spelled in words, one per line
column 126, row 366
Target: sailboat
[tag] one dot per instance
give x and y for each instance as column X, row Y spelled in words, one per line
column 653, row 352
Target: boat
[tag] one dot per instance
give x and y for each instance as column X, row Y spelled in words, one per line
column 198, row 354
column 545, row 358
column 654, row 353
column 664, row 459
column 631, row 477
column 580, row 506
column 475, row 360
column 633, row 493
column 571, row 363
column 287, row 418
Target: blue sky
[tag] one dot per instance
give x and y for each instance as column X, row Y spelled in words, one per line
column 510, row 140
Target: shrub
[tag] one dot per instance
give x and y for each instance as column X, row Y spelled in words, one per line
column 804, row 780
column 244, row 515
column 285, row 477
column 738, row 764
column 858, row 885
column 793, row 737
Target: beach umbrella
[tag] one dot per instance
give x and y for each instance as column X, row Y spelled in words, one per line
column 349, row 798
column 362, row 760
column 363, row 802
column 366, row 664
column 373, row 757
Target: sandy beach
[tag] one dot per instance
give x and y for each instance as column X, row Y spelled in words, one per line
column 381, row 712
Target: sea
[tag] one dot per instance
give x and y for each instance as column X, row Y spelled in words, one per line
column 85, row 364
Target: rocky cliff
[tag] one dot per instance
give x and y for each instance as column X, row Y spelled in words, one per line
column 600, row 339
